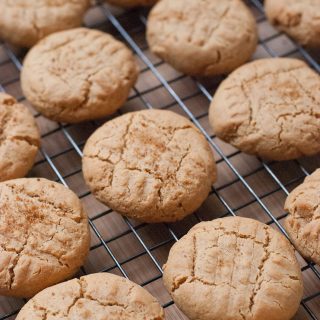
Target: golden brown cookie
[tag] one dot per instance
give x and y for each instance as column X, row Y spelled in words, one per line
column 77, row 75
column 202, row 38
column 19, row 139
column 25, row 22
column 269, row 108
column 299, row 19
column 150, row 165
column 96, row 296
column 44, row 235
column 234, row 268
column 303, row 221
column 132, row 3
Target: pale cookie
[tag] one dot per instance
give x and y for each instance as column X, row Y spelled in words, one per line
column 25, row 22
column 234, row 269
column 303, row 221
column 97, row 296
column 269, row 108
column 19, row 139
column 150, row 165
column 202, row 38
column 44, row 235
column 78, row 75
column 132, row 3
column 299, row 19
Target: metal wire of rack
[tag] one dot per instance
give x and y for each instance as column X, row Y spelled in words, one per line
column 247, row 186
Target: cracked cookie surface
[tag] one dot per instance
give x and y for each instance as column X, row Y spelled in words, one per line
column 299, row 19
column 303, row 221
column 234, row 269
column 150, row 165
column 19, row 139
column 78, row 75
column 96, row 296
column 44, row 235
column 269, row 108
column 25, row 22
column 202, row 38
column 132, row 3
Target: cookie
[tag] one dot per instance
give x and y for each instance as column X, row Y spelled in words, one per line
column 19, row 139
column 299, row 19
column 303, row 221
column 234, row 268
column 96, row 296
column 151, row 165
column 269, row 108
column 205, row 38
column 44, row 235
column 25, row 22
column 78, row 75
column 132, row 3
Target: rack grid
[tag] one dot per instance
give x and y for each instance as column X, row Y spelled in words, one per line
column 247, row 186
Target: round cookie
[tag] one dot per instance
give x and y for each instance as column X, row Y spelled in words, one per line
column 234, row 268
column 132, row 3
column 269, row 108
column 151, row 165
column 205, row 38
column 44, row 235
column 303, row 221
column 96, row 296
column 25, row 22
column 19, row 139
column 299, row 19
column 78, row 75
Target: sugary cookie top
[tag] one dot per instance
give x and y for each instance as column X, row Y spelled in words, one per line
column 247, row 268
column 150, row 165
column 25, row 22
column 74, row 73
column 271, row 108
column 300, row 19
column 98, row 296
column 19, row 138
column 43, row 233
column 202, row 37
column 303, row 222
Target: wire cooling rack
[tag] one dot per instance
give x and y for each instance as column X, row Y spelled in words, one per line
column 246, row 186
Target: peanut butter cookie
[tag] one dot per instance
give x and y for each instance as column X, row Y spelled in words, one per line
column 25, row 22
column 234, row 268
column 299, row 19
column 269, row 108
column 77, row 75
column 19, row 139
column 150, row 165
column 202, row 38
column 96, row 296
column 303, row 222
column 44, row 235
